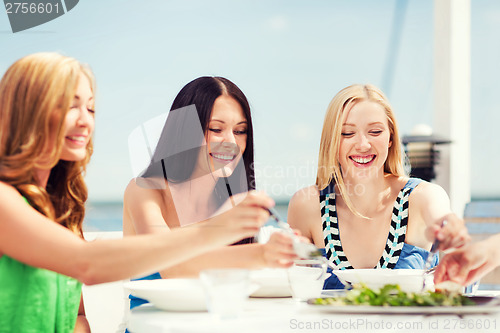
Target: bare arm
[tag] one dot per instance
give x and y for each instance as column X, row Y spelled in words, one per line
column 143, row 209
column 31, row 238
column 278, row 252
column 304, row 214
column 433, row 206
column 432, row 203
column 470, row 262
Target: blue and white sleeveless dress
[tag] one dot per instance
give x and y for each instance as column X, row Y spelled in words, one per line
column 397, row 254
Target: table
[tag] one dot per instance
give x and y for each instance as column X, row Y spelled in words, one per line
column 287, row 315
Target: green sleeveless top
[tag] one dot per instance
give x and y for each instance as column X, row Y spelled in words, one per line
column 36, row 300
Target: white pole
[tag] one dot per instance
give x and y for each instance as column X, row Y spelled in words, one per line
column 452, row 97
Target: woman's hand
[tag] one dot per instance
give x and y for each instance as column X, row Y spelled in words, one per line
column 242, row 220
column 451, row 235
column 469, row 263
column 278, row 251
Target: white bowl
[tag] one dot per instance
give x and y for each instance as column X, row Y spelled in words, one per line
column 170, row 294
column 410, row 280
column 273, row 282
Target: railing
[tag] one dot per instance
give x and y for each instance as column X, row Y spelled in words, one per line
column 482, row 219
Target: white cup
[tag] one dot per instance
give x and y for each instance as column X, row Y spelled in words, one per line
column 306, row 278
column 226, row 291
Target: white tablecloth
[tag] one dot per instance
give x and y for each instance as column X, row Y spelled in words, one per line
column 286, row 315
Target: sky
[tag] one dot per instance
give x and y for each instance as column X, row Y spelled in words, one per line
column 289, row 57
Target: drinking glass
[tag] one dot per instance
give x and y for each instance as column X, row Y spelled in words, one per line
column 226, row 291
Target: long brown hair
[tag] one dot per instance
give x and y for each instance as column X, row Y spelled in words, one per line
column 328, row 161
column 36, row 93
column 202, row 93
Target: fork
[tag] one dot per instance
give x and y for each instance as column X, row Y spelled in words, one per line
column 428, row 262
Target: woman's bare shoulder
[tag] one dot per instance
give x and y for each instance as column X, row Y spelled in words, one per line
column 144, row 205
column 426, row 190
column 144, row 188
column 7, row 187
column 304, row 210
column 306, row 195
column 8, row 193
column 304, row 202
column 430, row 201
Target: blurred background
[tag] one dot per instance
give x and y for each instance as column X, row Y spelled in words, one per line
column 289, row 57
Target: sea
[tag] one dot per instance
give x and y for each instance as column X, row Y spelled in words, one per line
column 107, row 216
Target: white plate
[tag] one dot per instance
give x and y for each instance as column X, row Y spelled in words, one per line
column 422, row 310
column 273, row 282
column 170, row 294
column 410, row 280
column 485, row 305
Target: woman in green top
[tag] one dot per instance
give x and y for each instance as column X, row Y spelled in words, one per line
column 46, row 126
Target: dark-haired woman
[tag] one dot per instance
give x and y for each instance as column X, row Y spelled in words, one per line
column 203, row 158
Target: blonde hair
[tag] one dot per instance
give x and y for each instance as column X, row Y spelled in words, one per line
column 36, row 93
column 328, row 161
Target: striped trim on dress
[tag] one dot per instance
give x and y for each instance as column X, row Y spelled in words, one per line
column 395, row 239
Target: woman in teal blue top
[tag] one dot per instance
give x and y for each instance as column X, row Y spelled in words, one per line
column 363, row 209
column 46, row 127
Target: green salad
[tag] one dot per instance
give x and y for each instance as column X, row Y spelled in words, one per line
column 392, row 295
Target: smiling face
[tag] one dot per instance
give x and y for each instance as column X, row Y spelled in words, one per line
column 79, row 123
column 365, row 140
column 226, row 137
